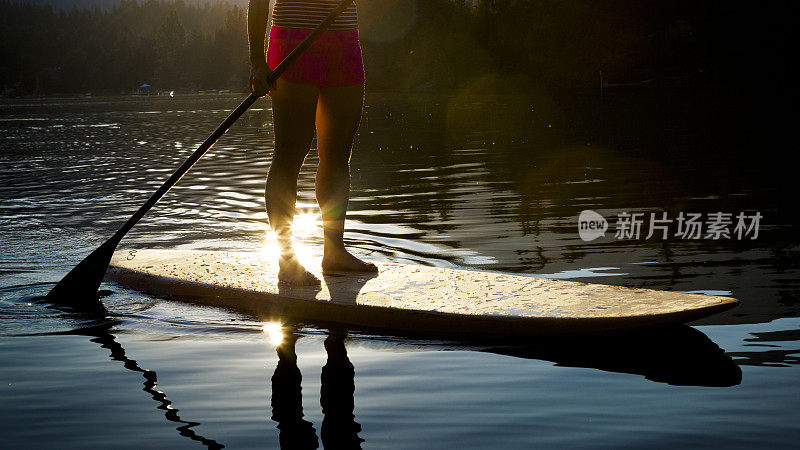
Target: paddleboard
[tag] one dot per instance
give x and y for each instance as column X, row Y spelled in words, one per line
column 407, row 298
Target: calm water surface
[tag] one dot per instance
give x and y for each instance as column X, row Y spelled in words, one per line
column 489, row 182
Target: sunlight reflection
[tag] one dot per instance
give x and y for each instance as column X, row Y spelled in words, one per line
column 307, row 227
column 274, row 330
column 306, row 224
column 306, row 254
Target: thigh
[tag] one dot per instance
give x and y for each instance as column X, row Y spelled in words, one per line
column 338, row 116
column 293, row 112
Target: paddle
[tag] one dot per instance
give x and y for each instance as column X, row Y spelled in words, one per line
column 79, row 287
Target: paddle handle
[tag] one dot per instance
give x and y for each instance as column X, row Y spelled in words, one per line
column 226, row 124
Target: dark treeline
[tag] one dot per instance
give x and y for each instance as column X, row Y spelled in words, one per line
column 169, row 45
column 408, row 44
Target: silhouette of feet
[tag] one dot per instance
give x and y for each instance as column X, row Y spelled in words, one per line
column 340, row 260
column 292, row 272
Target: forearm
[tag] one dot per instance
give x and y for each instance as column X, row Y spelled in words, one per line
column 257, row 15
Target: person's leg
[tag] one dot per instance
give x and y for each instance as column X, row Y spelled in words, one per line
column 339, row 427
column 293, row 112
column 338, row 116
column 287, row 399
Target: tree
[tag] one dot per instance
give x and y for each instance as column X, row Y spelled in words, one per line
column 169, row 43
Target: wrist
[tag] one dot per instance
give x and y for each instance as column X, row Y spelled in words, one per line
column 258, row 63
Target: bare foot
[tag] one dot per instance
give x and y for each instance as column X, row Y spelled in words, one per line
column 292, row 272
column 342, row 261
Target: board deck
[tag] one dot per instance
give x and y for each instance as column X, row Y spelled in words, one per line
column 407, row 298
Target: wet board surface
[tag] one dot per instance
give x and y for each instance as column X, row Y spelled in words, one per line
column 407, row 298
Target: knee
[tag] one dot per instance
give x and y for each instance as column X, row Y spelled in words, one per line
column 334, row 165
column 288, row 159
column 334, row 158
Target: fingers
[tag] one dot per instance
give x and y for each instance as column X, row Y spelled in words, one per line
column 258, row 81
column 258, row 86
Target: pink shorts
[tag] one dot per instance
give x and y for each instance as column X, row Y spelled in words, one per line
column 334, row 59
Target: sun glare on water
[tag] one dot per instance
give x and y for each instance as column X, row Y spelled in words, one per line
column 274, row 331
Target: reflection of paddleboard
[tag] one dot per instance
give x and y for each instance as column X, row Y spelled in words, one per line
column 407, row 298
column 677, row 354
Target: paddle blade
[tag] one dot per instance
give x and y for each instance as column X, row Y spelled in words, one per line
column 79, row 287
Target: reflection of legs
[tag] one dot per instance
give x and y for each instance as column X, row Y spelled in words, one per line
column 287, row 400
column 339, row 428
column 338, row 116
column 293, row 109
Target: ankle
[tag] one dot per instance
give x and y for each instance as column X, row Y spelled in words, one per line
column 333, row 238
column 287, row 257
column 333, row 248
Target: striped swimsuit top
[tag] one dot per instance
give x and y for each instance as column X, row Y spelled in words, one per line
column 307, row 14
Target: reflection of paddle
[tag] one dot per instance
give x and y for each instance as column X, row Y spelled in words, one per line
column 101, row 335
column 81, row 283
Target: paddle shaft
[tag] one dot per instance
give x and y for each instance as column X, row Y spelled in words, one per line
column 79, row 287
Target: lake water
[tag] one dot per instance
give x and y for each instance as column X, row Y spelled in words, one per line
column 477, row 180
